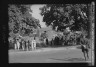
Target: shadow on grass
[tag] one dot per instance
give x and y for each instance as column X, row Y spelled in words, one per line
column 69, row 59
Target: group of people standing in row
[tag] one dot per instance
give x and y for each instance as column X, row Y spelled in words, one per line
column 25, row 45
column 56, row 40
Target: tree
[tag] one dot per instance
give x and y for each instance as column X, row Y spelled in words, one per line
column 61, row 16
column 44, row 35
column 20, row 20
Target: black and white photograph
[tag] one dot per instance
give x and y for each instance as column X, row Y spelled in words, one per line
column 51, row 33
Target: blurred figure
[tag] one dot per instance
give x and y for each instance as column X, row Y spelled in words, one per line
column 85, row 51
column 52, row 42
column 85, row 48
column 27, row 45
column 22, row 44
column 56, row 40
column 17, row 44
column 34, row 44
column 47, row 42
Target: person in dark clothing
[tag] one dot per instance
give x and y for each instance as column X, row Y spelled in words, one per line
column 52, row 42
column 62, row 40
column 27, row 45
column 85, row 49
column 47, row 42
column 56, row 40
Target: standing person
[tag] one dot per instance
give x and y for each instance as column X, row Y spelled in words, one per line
column 85, row 49
column 45, row 37
column 30, row 44
column 56, row 40
column 27, row 45
column 22, row 44
column 52, row 42
column 32, row 47
column 47, row 41
column 34, row 43
column 18, row 44
column 62, row 40
column 15, row 43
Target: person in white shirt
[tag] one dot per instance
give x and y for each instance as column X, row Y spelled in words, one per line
column 34, row 43
column 27, row 45
column 45, row 41
column 17, row 44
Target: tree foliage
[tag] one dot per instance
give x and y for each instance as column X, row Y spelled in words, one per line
column 43, row 36
column 20, row 20
column 61, row 16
